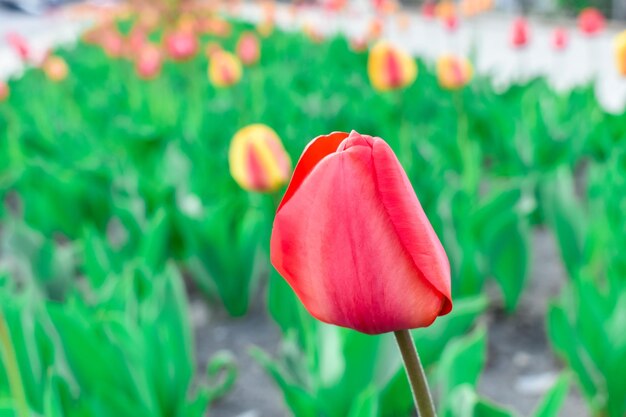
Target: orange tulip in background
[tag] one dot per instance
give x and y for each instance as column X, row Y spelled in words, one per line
column 352, row 240
column 211, row 48
column 224, row 69
column 149, row 62
column 390, row 68
column 591, row 22
column 257, row 159
column 55, row 68
column 248, row 48
column 265, row 27
column 453, row 72
column 4, row 91
column 620, row 53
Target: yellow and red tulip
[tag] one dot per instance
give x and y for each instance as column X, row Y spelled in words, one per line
column 620, row 53
column 453, row 72
column 390, row 68
column 4, row 91
column 224, row 69
column 248, row 48
column 55, row 68
column 352, row 240
column 149, row 62
column 257, row 159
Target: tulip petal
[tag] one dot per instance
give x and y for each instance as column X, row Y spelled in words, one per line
column 314, row 152
column 336, row 241
column 410, row 222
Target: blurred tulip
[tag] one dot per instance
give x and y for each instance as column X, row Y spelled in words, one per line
column 136, row 41
column 248, row 48
column 429, row 9
column 560, row 39
column 217, row 27
column 149, row 62
column 445, row 9
column 453, row 72
column 265, row 28
column 224, row 69
column 352, row 240
column 20, row 45
column 334, row 5
column 520, row 33
column 591, row 21
column 112, row 43
column 55, row 68
column 4, row 91
column 450, row 23
column 375, row 29
column 312, row 32
column 181, row 46
column 404, row 22
column 620, row 53
column 390, row 68
column 257, row 159
column 358, row 44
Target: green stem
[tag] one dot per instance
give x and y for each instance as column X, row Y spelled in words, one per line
column 12, row 371
column 415, row 373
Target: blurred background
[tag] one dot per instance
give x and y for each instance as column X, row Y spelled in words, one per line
column 145, row 146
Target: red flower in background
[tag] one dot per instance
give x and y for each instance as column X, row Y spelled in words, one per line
column 181, row 45
column 4, row 91
column 591, row 22
column 429, row 9
column 149, row 62
column 450, row 23
column 352, row 239
column 520, row 33
column 560, row 39
column 20, row 45
column 248, row 48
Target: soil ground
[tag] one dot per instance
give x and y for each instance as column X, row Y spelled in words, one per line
column 520, row 367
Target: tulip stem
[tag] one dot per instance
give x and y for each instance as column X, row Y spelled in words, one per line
column 415, row 372
column 7, row 356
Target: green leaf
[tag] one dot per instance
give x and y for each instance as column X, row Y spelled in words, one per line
column 553, row 400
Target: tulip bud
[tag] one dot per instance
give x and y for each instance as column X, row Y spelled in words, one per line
column 520, row 33
column 559, row 39
column 113, row 43
column 375, row 29
column 55, row 68
column 149, row 62
column 4, row 91
column 248, row 48
column 224, row 69
column 257, row 159
column 211, row 48
column 591, row 22
column 352, row 240
column 181, row 45
column 20, row 45
column 390, row 68
column 454, row 73
column 620, row 53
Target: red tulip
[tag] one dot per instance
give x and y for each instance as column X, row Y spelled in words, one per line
column 352, row 240
column 591, row 22
column 450, row 23
column 181, row 45
column 149, row 62
column 20, row 45
column 520, row 33
column 429, row 10
column 248, row 48
column 560, row 39
column 113, row 43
